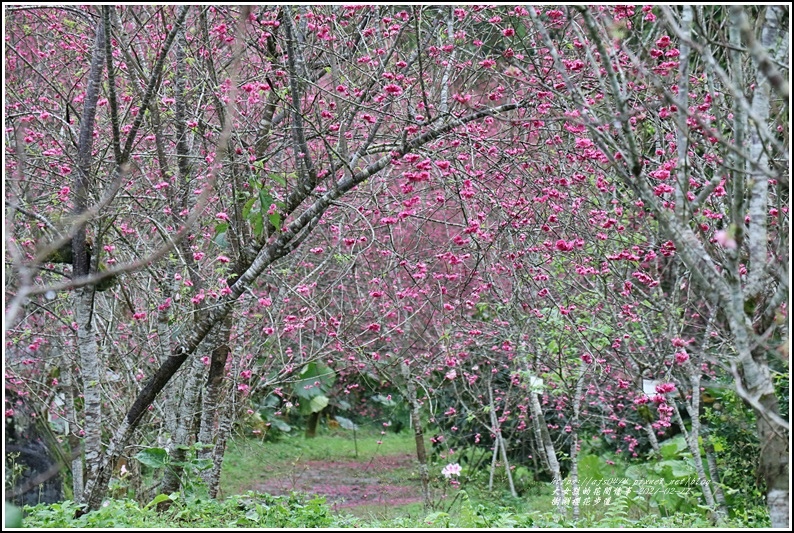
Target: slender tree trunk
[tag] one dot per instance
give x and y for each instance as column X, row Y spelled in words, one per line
column 757, row 387
column 774, row 464
column 214, row 391
column 494, row 459
column 693, row 442
column 222, row 389
column 548, row 447
column 90, row 369
column 714, row 474
column 419, row 436
column 164, row 342
column 652, row 437
column 499, row 444
column 87, row 347
column 507, row 467
column 70, row 415
column 574, row 475
column 184, row 428
column 311, row 425
column 225, row 422
column 693, row 439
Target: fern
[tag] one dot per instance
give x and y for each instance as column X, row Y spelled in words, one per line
column 617, row 512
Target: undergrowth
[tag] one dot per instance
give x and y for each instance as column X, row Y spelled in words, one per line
column 256, row 510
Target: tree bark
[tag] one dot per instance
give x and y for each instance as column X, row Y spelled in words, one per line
column 419, row 436
column 548, row 449
column 499, row 444
column 87, row 347
column 311, row 425
column 693, row 443
column 181, row 437
column 225, row 423
column 70, row 416
column 714, row 475
column 577, row 409
column 213, row 393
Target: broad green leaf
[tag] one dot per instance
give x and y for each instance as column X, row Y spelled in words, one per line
column 258, row 223
column 275, row 219
column 265, row 200
column 13, row 516
column 247, row 207
column 280, row 425
column 675, row 468
column 346, row 423
column 220, row 240
column 201, row 464
column 279, row 179
column 636, row 472
column 157, row 500
column 672, row 448
column 318, row 403
column 153, row 457
column 315, row 379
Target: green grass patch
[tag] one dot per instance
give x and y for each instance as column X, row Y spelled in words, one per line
column 249, row 462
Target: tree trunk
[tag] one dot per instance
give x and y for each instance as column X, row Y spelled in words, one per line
column 311, row 425
column 87, row 347
column 70, row 417
column 714, row 474
column 214, row 390
column 419, row 436
column 574, row 475
column 652, row 437
column 223, row 393
column 774, row 464
column 693, row 437
column 184, row 429
column 499, row 444
column 225, row 422
column 494, row 459
column 90, row 369
column 548, row 448
column 693, row 442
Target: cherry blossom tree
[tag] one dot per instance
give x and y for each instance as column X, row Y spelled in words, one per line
column 694, row 131
column 458, row 198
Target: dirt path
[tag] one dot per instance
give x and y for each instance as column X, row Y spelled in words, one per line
column 390, row 480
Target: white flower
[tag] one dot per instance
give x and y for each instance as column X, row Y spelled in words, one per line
column 451, row 470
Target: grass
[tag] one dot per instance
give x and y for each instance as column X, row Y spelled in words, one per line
column 248, row 462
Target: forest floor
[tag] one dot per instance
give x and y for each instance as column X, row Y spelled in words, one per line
column 347, row 484
column 368, row 480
